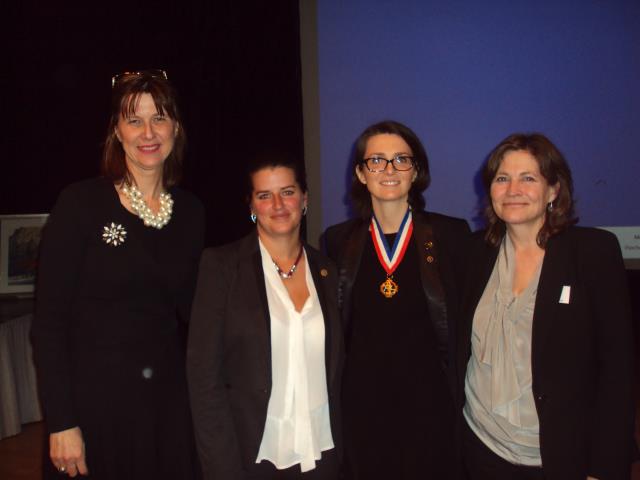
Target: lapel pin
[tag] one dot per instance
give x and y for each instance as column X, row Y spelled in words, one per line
column 565, row 295
column 324, row 272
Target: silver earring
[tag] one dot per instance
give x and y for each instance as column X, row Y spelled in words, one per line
column 253, row 217
column 304, row 210
column 550, row 206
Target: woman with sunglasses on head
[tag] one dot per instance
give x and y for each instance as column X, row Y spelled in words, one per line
column 399, row 268
column 546, row 342
column 265, row 347
column 117, row 270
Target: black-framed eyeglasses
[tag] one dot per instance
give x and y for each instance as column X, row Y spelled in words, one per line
column 401, row 163
column 150, row 73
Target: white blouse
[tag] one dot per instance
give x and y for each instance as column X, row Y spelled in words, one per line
column 298, row 427
column 500, row 407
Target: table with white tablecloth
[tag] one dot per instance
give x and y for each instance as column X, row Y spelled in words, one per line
column 18, row 390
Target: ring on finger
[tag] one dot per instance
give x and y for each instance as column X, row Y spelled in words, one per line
column 62, row 469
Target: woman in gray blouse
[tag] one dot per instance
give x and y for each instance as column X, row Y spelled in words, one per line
column 545, row 350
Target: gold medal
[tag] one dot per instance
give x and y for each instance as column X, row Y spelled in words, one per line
column 390, row 258
column 388, row 288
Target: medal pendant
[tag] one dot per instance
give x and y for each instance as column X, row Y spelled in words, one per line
column 388, row 288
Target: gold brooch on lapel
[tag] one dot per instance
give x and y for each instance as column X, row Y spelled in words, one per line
column 428, row 246
column 324, row 272
column 114, row 234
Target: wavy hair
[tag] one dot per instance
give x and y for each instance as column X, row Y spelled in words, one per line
column 553, row 167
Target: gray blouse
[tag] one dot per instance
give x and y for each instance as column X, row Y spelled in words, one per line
column 500, row 408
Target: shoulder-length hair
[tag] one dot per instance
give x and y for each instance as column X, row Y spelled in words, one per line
column 553, row 167
column 125, row 96
column 360, row 194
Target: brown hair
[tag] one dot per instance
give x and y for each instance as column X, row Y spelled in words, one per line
column 555, row 170
column 274, row 158
column 360, row 194
column 126, row 93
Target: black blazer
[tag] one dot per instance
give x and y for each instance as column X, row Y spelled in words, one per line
column 229, row 354
column 581, row 356
column 440, row 241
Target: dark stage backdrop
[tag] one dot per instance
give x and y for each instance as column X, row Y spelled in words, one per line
column 236, row 66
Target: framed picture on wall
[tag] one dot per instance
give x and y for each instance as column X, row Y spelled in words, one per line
column 19, row 243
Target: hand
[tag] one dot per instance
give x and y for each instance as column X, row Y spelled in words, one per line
column 592, row 478
column 66, row 449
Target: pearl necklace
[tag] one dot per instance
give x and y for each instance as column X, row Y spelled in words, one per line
column 287, row 275
column 140, row 207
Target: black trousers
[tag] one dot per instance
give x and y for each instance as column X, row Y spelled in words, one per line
column 482, row 464
column 327, row 468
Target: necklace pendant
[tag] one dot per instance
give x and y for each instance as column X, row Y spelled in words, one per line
column 388, row 288
column 287, row 275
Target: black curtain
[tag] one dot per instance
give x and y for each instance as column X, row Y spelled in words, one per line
column 236, row 66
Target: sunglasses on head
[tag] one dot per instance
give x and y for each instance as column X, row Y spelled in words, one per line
column 142, row 73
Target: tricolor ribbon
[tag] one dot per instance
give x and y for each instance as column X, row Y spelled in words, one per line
column 390, row 258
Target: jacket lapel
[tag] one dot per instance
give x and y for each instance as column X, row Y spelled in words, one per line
column 476, row 280
column 555, row 273
column 479, row 277
column 350, row 263
column 428, row 258
column 250, row 264
column 321, row 272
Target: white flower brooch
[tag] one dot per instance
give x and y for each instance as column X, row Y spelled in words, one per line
column 114, row 234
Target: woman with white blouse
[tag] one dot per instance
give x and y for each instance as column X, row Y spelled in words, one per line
column 265, row 344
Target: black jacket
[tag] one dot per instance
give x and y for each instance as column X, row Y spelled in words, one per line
column 440, row 241
column 581, row 356
column 229, row 354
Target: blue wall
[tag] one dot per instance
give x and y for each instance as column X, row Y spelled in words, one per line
column 465, row 74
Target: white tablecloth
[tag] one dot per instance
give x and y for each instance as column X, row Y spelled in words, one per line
column 18, row 391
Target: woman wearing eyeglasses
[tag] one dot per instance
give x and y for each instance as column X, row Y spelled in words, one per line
column 117, row 271
column 399, row 269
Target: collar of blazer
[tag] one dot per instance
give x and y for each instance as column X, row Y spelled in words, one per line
column 429, row 259
column 325, row 281
column 558, row 268
column 425, row 241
